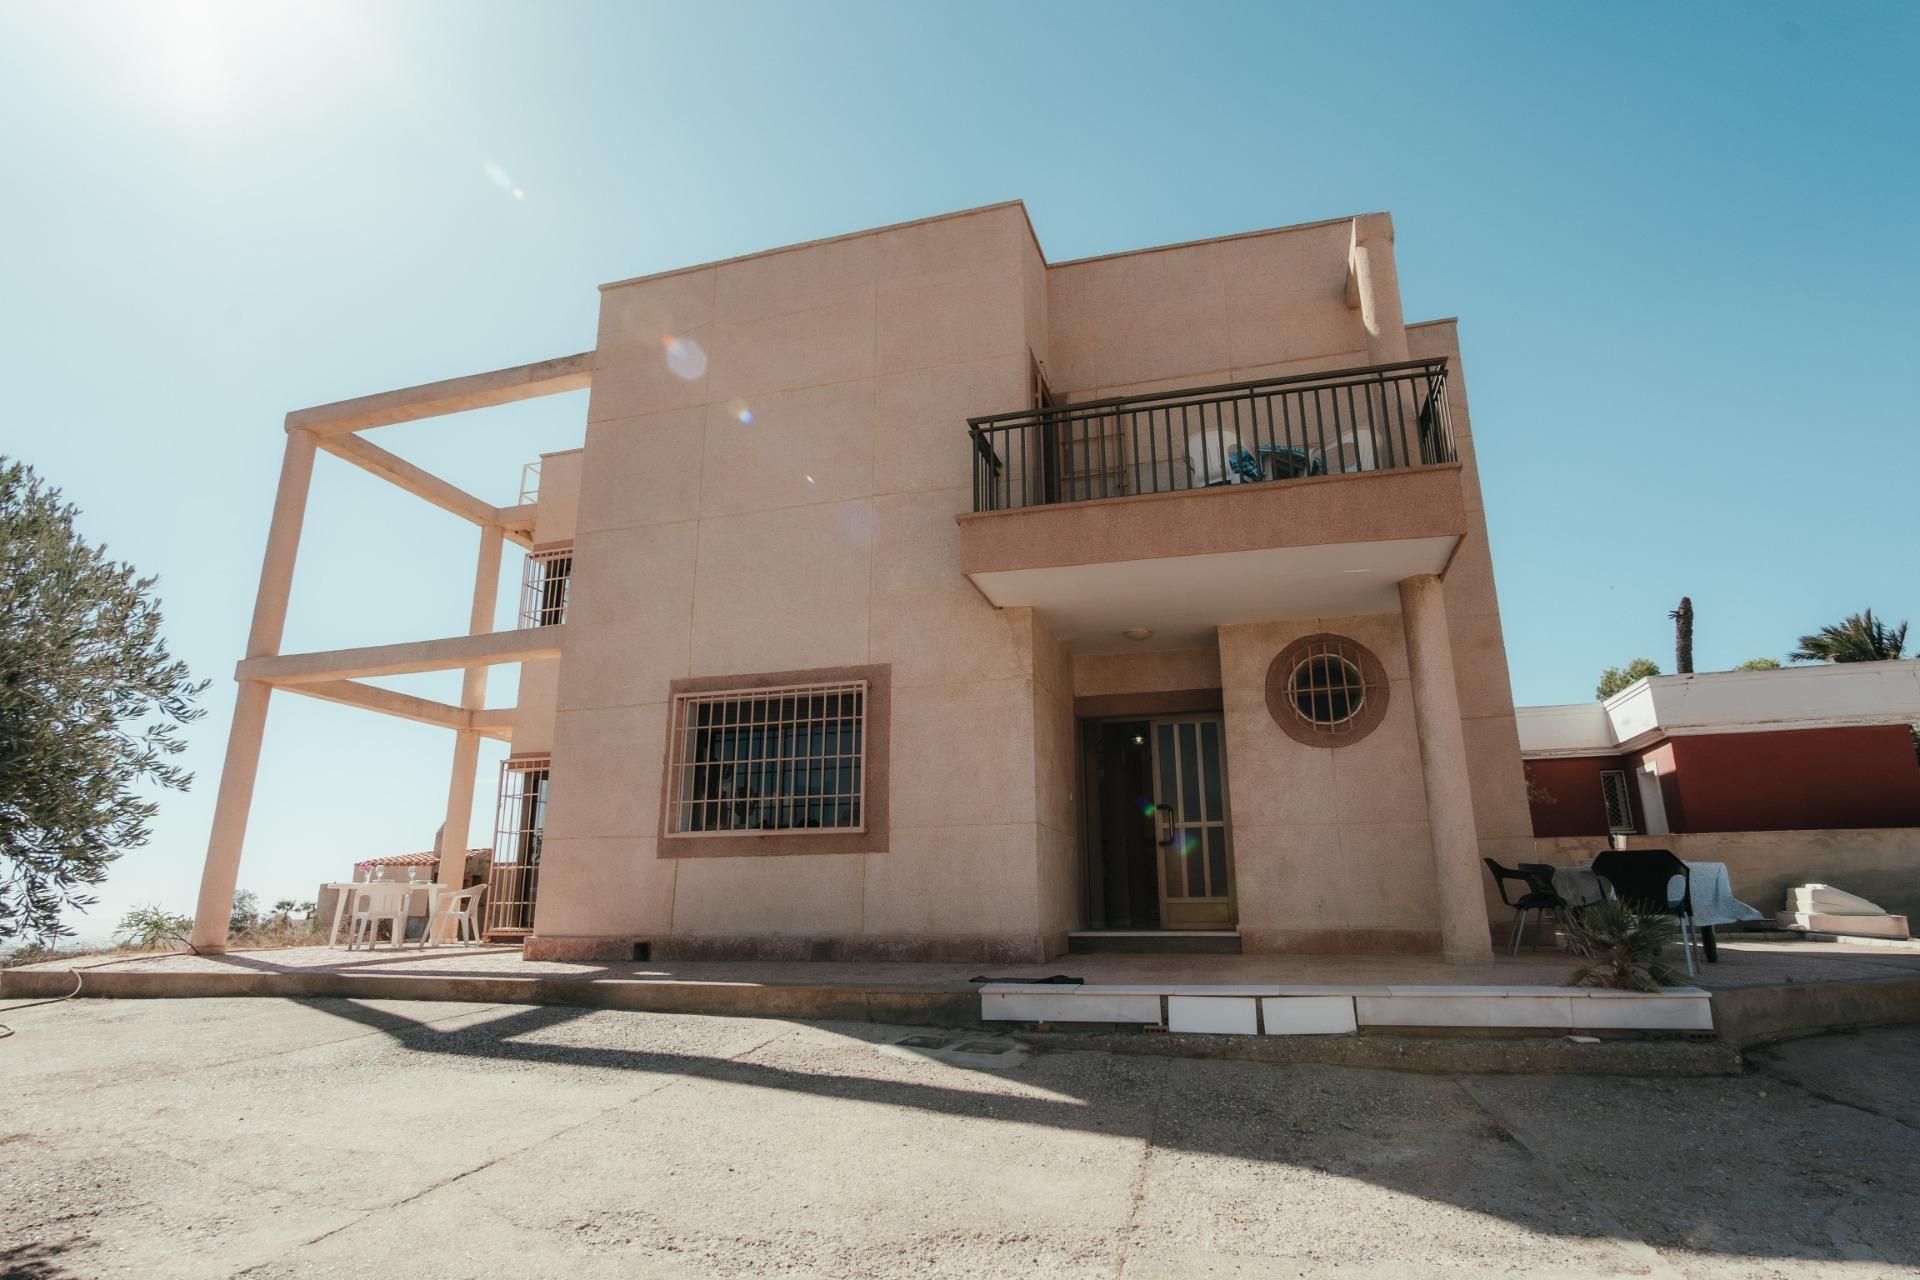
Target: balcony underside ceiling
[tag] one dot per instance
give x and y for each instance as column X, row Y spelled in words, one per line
column 1183, row 598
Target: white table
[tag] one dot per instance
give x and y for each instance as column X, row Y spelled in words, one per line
column 345, row 889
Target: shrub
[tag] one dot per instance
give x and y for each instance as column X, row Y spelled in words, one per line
column 280, row 931
column 1622, row 947
column 150, row 928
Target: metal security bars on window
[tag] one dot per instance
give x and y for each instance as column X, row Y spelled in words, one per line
column 1327, row 688
column 543, row 587
column 1613, row 791
column 514, row 879
column 1350, row 420
column 783, row 759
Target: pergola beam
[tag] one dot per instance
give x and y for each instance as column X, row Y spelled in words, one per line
column 454, row 395
column 453, row 653
column 494, row 722
column 351, row 693
column 517, row 522
column 421, row 483
column 488, row 722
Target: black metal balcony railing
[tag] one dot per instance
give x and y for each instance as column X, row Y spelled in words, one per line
column 1378, row 419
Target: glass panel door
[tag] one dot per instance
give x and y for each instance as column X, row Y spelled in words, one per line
column 1190, row 823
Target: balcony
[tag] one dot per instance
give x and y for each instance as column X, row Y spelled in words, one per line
column 1341, row 423
column 1181, row 511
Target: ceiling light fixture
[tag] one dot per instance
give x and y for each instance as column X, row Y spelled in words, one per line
column 1138, row 633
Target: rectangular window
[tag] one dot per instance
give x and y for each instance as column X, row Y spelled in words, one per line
column 1615, row 793
column 543, row 586
column 790, row 758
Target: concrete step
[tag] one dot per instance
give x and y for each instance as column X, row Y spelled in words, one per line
column 1154, row 942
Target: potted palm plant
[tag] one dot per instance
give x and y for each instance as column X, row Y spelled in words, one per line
column 1622, row 948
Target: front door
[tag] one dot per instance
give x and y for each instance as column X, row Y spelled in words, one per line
column 1191, row 825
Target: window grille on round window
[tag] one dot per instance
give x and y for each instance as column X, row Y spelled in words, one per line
column 1326, row 691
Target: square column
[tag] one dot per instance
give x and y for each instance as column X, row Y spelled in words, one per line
column 237, row 774
column 1443, row 766
column 451, row 873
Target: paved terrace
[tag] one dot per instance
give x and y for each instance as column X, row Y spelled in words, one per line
column 1760, row 992
column 1742, row 964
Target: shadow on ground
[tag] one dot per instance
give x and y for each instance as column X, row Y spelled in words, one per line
column 1761, row 1166
column 36, row 1261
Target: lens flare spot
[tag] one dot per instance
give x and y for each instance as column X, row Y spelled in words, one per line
column 809, row 479
column 1188, row 845
column 685, row 357
column 500, row 178
column 741, row 414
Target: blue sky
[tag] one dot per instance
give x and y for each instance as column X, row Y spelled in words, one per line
column 1681, row 241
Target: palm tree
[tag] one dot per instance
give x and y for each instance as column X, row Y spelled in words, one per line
column 1621, row 948
column 1860, row 638
column 1683, row 636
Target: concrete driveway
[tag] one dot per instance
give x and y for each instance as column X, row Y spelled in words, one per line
column 280, row 1138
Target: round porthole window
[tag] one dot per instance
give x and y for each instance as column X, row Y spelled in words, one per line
column 1326, row 691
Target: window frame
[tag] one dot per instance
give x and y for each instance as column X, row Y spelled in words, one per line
column 872, row 834
column 544, row 594
column 1375, row 691
column 1632, row 826
column 835, row 718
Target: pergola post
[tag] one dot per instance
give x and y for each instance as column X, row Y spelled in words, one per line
column 242, row 766
column 451, row 872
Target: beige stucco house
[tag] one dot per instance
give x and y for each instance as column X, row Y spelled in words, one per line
column 914, row 597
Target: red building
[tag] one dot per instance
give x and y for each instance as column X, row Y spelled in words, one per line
column 1799, row 748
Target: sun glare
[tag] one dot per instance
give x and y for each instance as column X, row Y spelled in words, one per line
column 190, row 54
column 230, row 61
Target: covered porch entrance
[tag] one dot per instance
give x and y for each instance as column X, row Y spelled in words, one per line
column 1158, row 840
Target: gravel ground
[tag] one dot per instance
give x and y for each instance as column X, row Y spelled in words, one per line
column 276, row 1138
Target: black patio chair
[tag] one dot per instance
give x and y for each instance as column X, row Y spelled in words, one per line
column 1643, row 879
column 1539, row 896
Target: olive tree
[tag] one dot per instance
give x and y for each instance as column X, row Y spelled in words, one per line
column 91, row 709
column 1614, row 679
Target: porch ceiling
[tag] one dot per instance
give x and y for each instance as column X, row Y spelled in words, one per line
column 1183, row 598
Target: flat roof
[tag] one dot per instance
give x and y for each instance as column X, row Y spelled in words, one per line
column 1021, row 205
column 1817, row 696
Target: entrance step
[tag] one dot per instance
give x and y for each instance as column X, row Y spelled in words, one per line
column 1154, row 942
column 1275, row 1009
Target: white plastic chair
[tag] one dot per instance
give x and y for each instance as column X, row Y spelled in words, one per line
column 1211, row 454
column 460, row 906
column 374, row 902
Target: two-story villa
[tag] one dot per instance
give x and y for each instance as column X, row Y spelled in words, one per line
column 914, row 597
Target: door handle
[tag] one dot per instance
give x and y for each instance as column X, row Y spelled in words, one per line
column 1163, row 816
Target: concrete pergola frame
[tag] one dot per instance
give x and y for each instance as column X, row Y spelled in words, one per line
column 338, row 675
